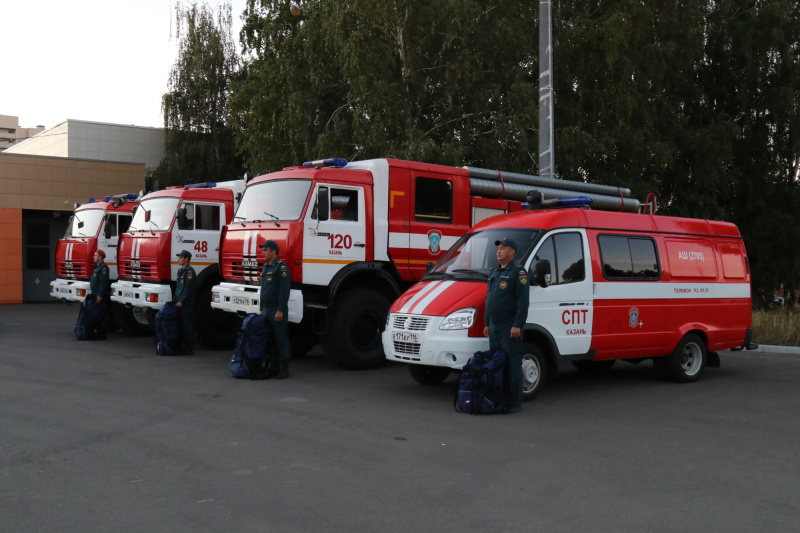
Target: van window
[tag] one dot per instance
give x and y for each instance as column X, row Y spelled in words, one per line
column 433, row 200
column 733, row 260
column 565, row 253
column 628, row 258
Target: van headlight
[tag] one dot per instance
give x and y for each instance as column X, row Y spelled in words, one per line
column 461, row 319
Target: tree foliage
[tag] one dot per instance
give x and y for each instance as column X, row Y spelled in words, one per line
column 697, row 101
column 199, row 142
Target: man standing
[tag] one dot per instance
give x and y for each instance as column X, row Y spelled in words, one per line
column 274, row 303
column 98, row 289
column 184, row 298
column 506, row 311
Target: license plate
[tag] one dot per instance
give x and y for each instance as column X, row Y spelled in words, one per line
column 135, row 264
column 402, row 336
column 63, row 290
column 128, row 294
column 238, row 300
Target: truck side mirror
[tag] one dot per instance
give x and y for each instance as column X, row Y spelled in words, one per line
column 541, row 273
column 428, row 267
column 182, row 221
column 146, row 215
column 323, row 204
column 107, row 228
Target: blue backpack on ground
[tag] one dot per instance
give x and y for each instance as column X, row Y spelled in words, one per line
column 250, row 358
column 481, row 387
column 88, row 318
column 168, row 330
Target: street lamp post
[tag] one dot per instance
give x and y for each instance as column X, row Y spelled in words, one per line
column 547, row 165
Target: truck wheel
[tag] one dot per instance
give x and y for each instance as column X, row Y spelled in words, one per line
column 534, row 371
column 688, row 361
column 428, row 375
column 216, row 327
column 355, row 326
column 130, row 322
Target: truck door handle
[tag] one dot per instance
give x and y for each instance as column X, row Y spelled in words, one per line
column 360, row 244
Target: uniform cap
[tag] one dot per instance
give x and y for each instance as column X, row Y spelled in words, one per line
column 270, row 244
column 101, row 253
column 506, row 241
column 185, row 254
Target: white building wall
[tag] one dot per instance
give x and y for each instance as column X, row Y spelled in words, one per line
column 98, row 141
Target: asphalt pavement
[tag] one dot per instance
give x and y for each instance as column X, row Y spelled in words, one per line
column 101, row 436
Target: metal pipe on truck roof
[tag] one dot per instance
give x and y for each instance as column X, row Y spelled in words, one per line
column 519, row 192
column 542, row 181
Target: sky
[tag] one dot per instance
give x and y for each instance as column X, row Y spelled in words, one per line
column 94, row 60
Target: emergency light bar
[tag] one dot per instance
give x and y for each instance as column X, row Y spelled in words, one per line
column 534, row 203
column 337, row 162
column 206, row 185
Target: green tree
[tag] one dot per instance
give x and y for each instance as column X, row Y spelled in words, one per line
column 448, row 82
column 199, row 142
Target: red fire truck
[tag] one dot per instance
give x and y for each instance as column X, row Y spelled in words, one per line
column 166, row 222
column 95, row 225
column 355, row 235
column 604, row 286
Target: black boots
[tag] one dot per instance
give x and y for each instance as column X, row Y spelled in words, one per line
column 283, row 371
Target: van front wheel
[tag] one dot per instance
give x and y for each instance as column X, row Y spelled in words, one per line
column 687, row 362
column 534, row 371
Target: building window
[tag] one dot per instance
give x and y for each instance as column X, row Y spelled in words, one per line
column 37, row 246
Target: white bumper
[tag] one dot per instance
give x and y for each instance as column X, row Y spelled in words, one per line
column 69, row 290
column 417, row 339
column 244, row 299
column 135, row 294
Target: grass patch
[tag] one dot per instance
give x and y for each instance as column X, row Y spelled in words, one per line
column 779, row 327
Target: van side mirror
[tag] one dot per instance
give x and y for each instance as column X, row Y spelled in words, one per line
column 323, row 204
column 541, row 273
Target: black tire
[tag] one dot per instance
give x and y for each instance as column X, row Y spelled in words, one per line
column 217, row 328
column 594, row 367
column 428, row 375
column 534, row 371
column 131, row 322
column 355, row 326
column 687, row 362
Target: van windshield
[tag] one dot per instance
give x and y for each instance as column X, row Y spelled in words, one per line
column 84, row 223
column 161, row 213
column 273, row 200
column 473, row 256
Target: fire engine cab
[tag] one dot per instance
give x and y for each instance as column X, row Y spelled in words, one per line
column 165, row 223
column 603, row 286
column 354, row 235
column 95, row 225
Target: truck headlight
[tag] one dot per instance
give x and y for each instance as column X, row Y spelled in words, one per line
column 461, row 319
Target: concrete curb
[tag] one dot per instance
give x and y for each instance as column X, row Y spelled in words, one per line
column 766, row 348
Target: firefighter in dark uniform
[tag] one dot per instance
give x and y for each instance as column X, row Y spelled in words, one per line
column 507, row 300
column 98, row 290
column 274, row 304
column 184, row 298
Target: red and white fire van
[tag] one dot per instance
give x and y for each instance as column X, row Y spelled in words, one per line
column 604, row 286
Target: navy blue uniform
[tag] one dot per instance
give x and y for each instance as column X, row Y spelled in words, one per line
column 274, row 297
column 507, row 301
column 99, row 288
column 185, row 293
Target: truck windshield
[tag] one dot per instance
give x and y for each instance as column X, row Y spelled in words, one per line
column 162, row 211
column 84, row 223
column 273, row 200
column 473, row 256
